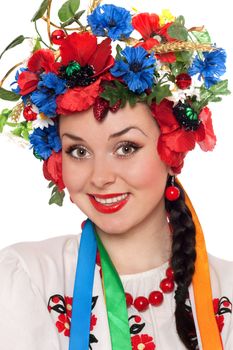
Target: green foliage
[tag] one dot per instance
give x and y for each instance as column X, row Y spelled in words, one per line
column 202, row 37
column 177, row 30
column 158, row 93
column 213, row 94
column 37, row 45
column 68, row 10
column 4, row 117
column 15, row 42
column 40, row 12
column 56, row 196
column 75, row 18
column 8, row 95
column 119, row 92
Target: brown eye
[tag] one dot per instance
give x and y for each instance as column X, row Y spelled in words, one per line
column 78, row 152
column 126, row 149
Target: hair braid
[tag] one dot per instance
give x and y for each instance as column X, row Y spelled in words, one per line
column 182, row 261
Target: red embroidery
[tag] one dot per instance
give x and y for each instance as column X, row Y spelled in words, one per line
column 221, row 306
column 142, row 342
column 63, row 307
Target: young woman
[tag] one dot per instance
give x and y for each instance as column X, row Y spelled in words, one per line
column 115, row 132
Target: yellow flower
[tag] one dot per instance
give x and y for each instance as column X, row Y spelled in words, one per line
column 166, row 17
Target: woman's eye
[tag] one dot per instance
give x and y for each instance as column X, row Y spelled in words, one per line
column 127, row 149
column 77, row 152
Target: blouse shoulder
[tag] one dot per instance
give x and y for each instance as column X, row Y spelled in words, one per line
column 221, row 270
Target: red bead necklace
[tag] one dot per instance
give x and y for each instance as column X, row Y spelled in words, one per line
column 141, row 303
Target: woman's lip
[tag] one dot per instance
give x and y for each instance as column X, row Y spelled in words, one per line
column 105, row 196
column 110, row 208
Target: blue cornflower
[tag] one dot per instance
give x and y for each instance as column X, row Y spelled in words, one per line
column 45, row 96
column 111, row 21
column 211, row 68
column 44, row 141
column 136, row 68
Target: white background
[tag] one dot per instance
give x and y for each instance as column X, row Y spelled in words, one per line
column 207, row 177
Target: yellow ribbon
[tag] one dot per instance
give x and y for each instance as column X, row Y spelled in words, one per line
column 208, row 328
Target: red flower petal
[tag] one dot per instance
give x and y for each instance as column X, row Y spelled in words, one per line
column 78, row 47
column 169, row 57
column 180, row 140
column 163, row 114
column 42, row 59
column 77, row 99
column 146, row 24
column 174, row 159
column 210, row 139
column 102, row 59
column 27, row 82
column 52, row 169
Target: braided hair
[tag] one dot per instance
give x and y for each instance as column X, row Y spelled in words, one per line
column 182, row 261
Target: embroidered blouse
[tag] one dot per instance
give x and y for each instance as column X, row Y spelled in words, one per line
column 36, row 289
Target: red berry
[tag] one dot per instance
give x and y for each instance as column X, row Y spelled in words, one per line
column 170, row 273
column 172, row 193
column 137, row 319
column 115, row 107
column 183, row 81
column 29, row 114
column 100, row 108
column 167, row 285
column 141, row 303
column 129, row 299
column 156, row 298
column 58, row 36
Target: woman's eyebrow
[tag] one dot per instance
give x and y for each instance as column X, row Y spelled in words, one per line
column 117, row 134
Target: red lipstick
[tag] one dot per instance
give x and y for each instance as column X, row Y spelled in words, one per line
column 109, row 208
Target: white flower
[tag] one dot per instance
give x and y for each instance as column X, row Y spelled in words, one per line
column 42, row 121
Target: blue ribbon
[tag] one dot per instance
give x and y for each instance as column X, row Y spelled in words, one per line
column 83, row 286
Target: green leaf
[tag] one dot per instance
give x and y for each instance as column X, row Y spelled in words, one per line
column 57, row 197
column 118, row 50
column 25, row 134
column 37, row 45
column 68, row 10
column 221, row 88
column 75, row 18
column 51, row 184
column 14, row 43
column 17, row 131
column 4, row 117
column 180, row 20
column 184, row 57
column 202, row 37
column 178, row 32
column 40, row 12
column 8, row 95
column 158, row 93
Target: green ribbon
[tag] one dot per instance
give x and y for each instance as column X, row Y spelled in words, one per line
column 115, row 302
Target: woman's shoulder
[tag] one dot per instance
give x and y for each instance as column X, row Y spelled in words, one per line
column 36, row 257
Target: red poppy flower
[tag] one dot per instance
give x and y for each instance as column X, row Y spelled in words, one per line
column 52, row 169
column 174, row 141
column 27, row 82
column 85, row 51
column 63, row 325
column 143, row 341
column 43, row 60
column 148, row 26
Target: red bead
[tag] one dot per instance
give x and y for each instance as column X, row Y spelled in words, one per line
column 129, row 299
column 170, row 273
column 156, row 298
column 137, row 319
column 141, row 303
column 58, row 36
column 29, row 114
column 183, row 81
column 167, row 285
column 172, row 193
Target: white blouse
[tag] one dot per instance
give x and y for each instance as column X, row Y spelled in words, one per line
column 36, row 289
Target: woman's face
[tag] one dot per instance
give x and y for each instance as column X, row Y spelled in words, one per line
column 115, row 156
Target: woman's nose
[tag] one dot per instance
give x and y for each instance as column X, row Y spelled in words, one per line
column 103, row 173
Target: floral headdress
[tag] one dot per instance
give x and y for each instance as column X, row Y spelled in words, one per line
column 158, row 61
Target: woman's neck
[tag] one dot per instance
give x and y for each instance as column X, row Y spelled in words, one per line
column 143, row 247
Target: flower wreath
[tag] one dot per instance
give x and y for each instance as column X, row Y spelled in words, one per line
column 175, row 70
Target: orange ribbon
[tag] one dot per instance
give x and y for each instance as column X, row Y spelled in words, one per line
column 208, row 328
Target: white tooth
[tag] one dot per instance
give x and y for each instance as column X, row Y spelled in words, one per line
column 111, row 200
